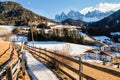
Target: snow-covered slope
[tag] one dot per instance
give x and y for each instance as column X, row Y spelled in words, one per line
column 86, row 37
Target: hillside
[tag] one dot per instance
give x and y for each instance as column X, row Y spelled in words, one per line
column 12, row 13
column 111, row 23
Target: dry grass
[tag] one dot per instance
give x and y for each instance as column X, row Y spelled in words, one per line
column 97, row 74
column 4, row 45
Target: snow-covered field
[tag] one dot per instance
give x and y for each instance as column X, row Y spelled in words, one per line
column 37, row 70
column 102, row 38
column 70, row 48
column 64, row 26
column 6, row 29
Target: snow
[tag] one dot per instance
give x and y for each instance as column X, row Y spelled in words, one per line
column 93, row 19
column 18, row 38
column 37, row 70
column 86, row 36
column 117, row 21
column 115, row 33
column 117, row 54
column 50, row 23
column 88, row 59
column 64, row 26
column 73, row 26
column 102, row 38
column 83, row 34
column 4, row 29
column 73, row 49
column 59, row 26
column 46, row 31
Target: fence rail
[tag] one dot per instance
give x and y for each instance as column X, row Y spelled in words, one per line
column 106, row 70
column 78, row 72
column 11, row 69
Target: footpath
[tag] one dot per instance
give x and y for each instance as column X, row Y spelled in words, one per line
column 37, row 70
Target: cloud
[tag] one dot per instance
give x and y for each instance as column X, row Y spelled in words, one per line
column 103, row 7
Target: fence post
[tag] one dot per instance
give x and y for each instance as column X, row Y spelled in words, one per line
column 80, row 68
column 9, row 73
column 40, row 51
column 46, row 54
column 23, row 64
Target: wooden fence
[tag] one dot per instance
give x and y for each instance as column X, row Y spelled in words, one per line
column 11, row 70
column 78, row 72
column 79, row 62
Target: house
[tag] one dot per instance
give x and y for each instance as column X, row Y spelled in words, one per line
column 115, row 48
column 91, row 54
column 104, row 56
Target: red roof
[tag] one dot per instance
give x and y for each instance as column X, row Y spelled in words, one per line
column 90, row 51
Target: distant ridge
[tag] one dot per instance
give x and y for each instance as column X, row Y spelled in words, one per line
column 92, row 16
column 111, row 23
column 73, row 22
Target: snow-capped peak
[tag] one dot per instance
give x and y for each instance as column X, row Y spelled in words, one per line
column 97, row 12
column 91, row 16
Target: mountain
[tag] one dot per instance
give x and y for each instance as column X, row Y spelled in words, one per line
column 12, row 13
column 111, row 23
column 88, row 17
column 73, row 22
column 61, row 17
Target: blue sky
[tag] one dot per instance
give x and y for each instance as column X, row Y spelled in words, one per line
column 49, row 8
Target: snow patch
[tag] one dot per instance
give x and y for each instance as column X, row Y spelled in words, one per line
column 93, row 19
column 74, row 49
column 115, row 33
column 86, row 37
column 4, row 29
column 102, row 38
column 18, row 38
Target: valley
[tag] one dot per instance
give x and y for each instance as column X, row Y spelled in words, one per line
column 78, row 45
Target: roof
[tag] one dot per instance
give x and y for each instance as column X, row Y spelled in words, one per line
column 105, row 53
column 90, row 51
